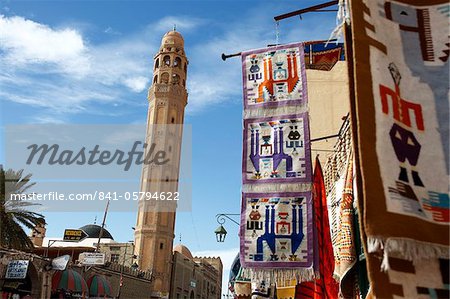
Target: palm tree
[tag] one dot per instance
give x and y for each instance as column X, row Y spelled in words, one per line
column 15, row 214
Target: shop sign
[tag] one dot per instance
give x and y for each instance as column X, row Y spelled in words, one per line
column 17, row 269
column 92, row 258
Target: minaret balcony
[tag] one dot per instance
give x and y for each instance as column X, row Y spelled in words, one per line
column 164, row 90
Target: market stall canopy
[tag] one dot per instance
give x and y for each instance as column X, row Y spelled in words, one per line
column 99, row 287
column 69, row 280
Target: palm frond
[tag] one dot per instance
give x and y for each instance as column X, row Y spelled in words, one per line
column 16, row 214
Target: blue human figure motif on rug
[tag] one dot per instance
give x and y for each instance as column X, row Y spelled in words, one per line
column 278, row 156
column 270, row 232
column 416, row 35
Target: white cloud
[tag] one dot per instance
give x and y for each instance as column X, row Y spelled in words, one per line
column 55, row 68
column 27, row 42
column 49, row 119
column 136, row 84
column 227, row 256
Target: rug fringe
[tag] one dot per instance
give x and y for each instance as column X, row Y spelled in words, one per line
column 408, row 249
column 267, row 188
column 274, row 276
column 275, row 111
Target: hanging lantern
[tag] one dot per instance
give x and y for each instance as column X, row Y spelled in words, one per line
column 221, row 233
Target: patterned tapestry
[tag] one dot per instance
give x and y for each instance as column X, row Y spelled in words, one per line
column 274, row 76
column 426, row 278
column 401, row 53
column 342, row 199
column 276, row 217
column 275, row 150
column 322, row 56
column 276, row 230
column 325, row 287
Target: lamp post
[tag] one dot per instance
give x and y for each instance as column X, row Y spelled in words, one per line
column 221, row 232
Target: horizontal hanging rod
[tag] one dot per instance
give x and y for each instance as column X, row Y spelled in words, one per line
column 325, row 137
column 344, row 119
column 225, row 56
column 314, row 8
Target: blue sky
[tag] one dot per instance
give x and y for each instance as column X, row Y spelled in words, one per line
column 90, row 62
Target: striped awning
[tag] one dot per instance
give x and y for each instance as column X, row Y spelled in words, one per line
column 99, row 286
column 69, row 280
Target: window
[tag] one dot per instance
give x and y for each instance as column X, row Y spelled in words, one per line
column 185, row 68
column 161, row 245
column 172, row 120
column 165, row 78
column 115, row 258
column 167, row 60
column 155, row 80
column 157, row 63
column 177, row 62
column 175, row 79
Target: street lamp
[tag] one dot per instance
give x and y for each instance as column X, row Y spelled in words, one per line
column 221, row 232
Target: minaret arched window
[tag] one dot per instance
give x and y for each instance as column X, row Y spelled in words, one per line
column 167, row 60
column 185, row 68
column 157, row 63
column 175, row 79
column 165, row 78
column 184, row 83
column 177, row 62
column 155, row 80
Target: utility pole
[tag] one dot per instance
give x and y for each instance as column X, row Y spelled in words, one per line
column 100, row 235
column 121, row 271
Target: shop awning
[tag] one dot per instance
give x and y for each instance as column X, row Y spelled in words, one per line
column 99, row 286
column 69, row 280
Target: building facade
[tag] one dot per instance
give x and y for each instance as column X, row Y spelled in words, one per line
column 195, row 277
column 119, row 253
column 167, row 98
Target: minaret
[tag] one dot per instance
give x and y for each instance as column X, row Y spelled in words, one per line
column 167, row 98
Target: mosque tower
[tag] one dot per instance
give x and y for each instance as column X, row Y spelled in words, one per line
column 167, row 98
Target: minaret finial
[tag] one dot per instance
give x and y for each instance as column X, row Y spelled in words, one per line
column 174, row 27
